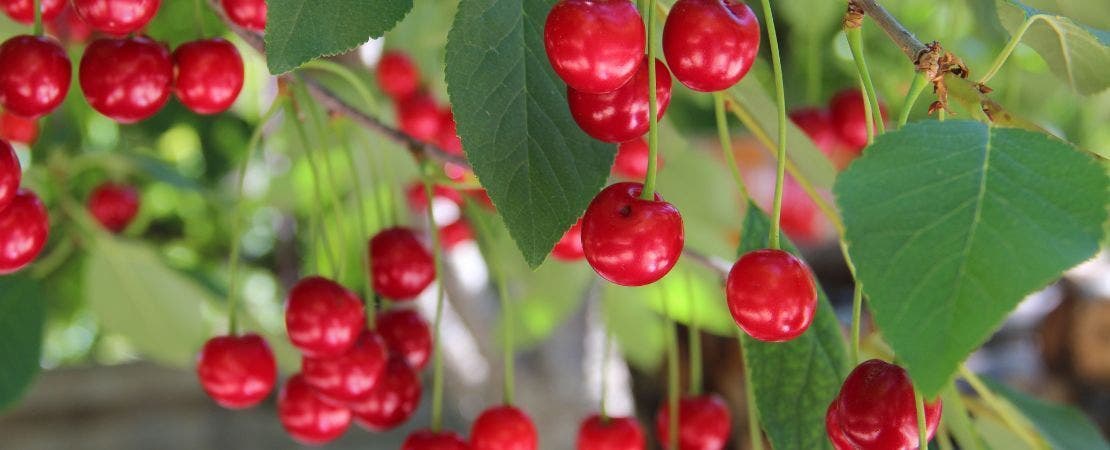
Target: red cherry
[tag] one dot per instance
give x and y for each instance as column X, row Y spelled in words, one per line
column 454, row 234
column 481, row 196
column 307, row 417
column 11, row 174
column 237, row 371
column 18, row 129
column 771, row 295
column 351, row 376
column 209, row 75
column 418, row 199
column 430, row 440
column 616, row 433
column 801, row 219
column 22, row 11
column 817, row 124
column 594, row 46
column 69, row 28
column 397, row 75
column 24, row 227
column 569, row 247
column 407, row 335
column 704, row 423
column 419, row 117
column 249, row 14
column 632, row 159
column 621, row 115
column 876, row 410
column 127, row 80
column 836, row 434
column 448, row 138
column 393, row 401
column 323, row 319
column 36, row 76
column 503, row 428
column 116, row 17
column 710, row 44
column 114, row 205
column 849, row 118
column 630, row 241
column 400, row 265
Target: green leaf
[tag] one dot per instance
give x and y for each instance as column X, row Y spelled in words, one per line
column 638, row 330
column 795, row 381
column 1063, row 427
column 301, row 30
column 134, row 294
column 1075, row 52
column 950, row 224
column 22, row 314
column 539, row 168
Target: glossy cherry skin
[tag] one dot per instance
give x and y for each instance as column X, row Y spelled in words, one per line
column 569, row 247
column 710, row 44
column 23, row 12
column 835, row 433
column 114, row 205
column 617, row 433
column 876, row 410
column 14, row 128
column 595, row 46
column 632, row 159
column 849, row 118
column 24, row 228
column 406, row 334
column 704, row 423
column 393, row 401
column 430, row 440
column 69, row 28
column 249, row 14
column 351, row 376
column 11, row 174
column 117, row 17
column 419, row 116
column 400, row 266
column 397, row 75
column 209, row 75
column 771, row 294
column 621, row 115
column 503, row 428
column 237, row 371
column 323, row 319
column 630, row 241
column 307, row 416
column 127, row 80
column 36, row 76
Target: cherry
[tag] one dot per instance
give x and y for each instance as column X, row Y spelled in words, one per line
column 801, row 219
column 400, row 266
column 24, row 227
column 23, row 11
column 249, row 14
column 36, row 76
column 849, row 118
column 632, row 159
column 615, row 433
column 407, row 335
column 481, row 196
column 448, row 138
column 875, row 408
column 621, row 115
column 11, row 174
column 237, row 371
column 351, row 376
column 323, row 319
column 454, row 234
column 419, row 116
column 836, row 434
column 127, row 80
column 704, row 423
column 569, row 247
column 209, row 75
column 116, row 17
column 393, row 401
column 594, row 46
column 114, row 205
column 69, row 28
column 771, row 295
column 503, row 428
column 817, row 124
column 445, row 201
column 710, row 44
column 307, row 417
column 628, row 240
column 430, row 440
column 397, row 75
column 18, row 129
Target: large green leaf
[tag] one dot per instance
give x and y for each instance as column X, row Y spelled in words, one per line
column 1075, row 52
column 300, row 30
column 22, row 313
column 795, row 381
column 539, row 168
column 1064, row 428
column 950, row 224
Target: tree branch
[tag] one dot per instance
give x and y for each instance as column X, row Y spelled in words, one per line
column 902, row 37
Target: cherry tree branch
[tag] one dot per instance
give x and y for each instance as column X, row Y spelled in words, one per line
column 902, row 37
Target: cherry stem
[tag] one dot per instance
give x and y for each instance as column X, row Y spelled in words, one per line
column 780, row 97
column 324, row 150
column 1000, row 60
column 428, row 170
column 485, row 243
column 198, row 10
column 755, row 431
column 855, row 43
column 922, row 432
column 348, row 76
column 945, row 439
column 694, row 336
column 318, row 213
column 857, row 312
column 38, row 28
column 726, row 143
column 918, row 85
column 604, row 372
column 673, row 389
column 648, row 192
column 363, row 231
column 1011, row 418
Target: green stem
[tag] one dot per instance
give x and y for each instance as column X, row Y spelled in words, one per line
column 694, row 336
column 673, row 389
column 38, row 28
column 1006, row 51
column 198, row 11
column 485, row 238
column 857, row 312
column 648, row 192
column 605, row 371
column 918, row 85
column 324, row 150
column 755, row 432
column 726, row 143
column 944, row 439
column 437, row 253
column 922, row 432
column 318, row 213
column 1011, row 418
column 363, row 231
column 855, row 43
column 780, row 97
column 348, row 76
column 942, row 114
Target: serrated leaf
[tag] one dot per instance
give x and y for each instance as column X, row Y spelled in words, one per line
column 1063, row 427
column 539, row 168
column 22, row 314
column 950, row 224
column 795, row 381
column 301, row 30
column 1075, row 52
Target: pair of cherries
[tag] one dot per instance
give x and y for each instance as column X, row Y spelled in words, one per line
column 24, row 223
column 840, row 130
column 498, row 428
column 875, row 409
column 704, row 423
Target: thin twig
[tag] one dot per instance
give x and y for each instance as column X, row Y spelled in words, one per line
column 902, row 37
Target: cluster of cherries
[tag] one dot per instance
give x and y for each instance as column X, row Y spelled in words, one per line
column 840, row 130
column 24, row 223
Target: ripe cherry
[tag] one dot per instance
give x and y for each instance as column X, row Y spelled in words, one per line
column 419, row 116
column 307, row 417
column 875, row 408
column 397, row 75
column 14, row 128
column 249, row 14
column 448, row 138
column 817, row 124
column 621, row 115
column 209, row 75
column 503, row 428
column 632, row 159
column 849, row 118
column 704, row 423
column 24, row 227
column 351, row 376
column 616, row 433
column 116, row 17
column 454, row 234
column 406, row 334
column 594, row 46
column 69, row 28
column 430, row 440
column 127, row 80
column 23, row 11
column 11, row 174
column 771, row 295
column 836, row 434
column 393, row 401
column 237, row 371
column 569, row 247
column 36, row 76
column 630, row 241
column 400, row 266
column 710, row 44
column 114, row 205
column 323, row 319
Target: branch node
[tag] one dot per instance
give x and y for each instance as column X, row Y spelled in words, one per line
column 853, row 18
column 936, row 63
